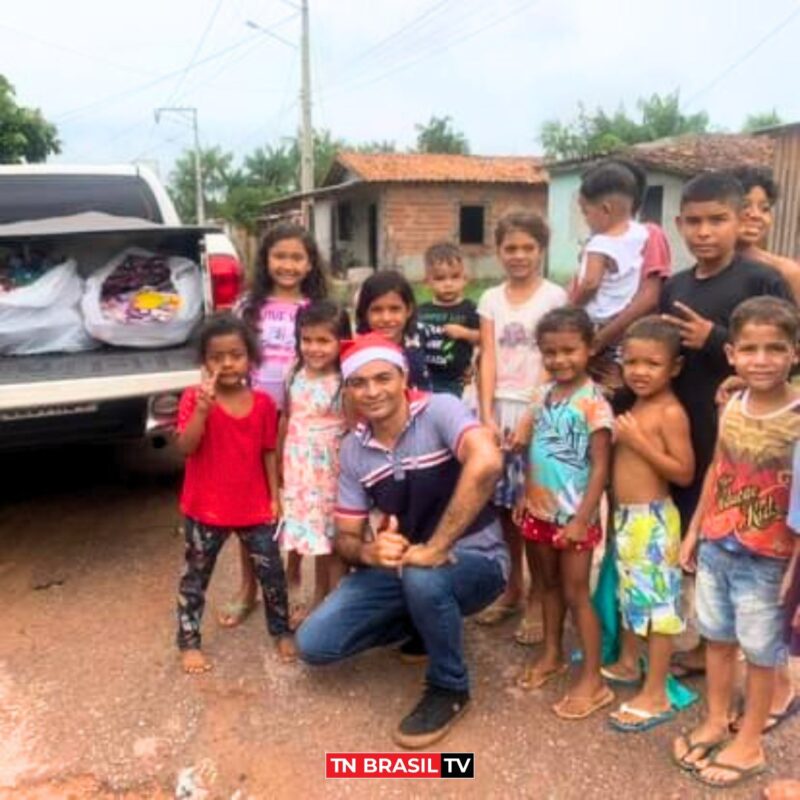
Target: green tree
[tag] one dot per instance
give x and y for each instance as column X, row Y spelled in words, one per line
column 384, row 146
column 439, row 136
column 599, row 132
column 764, row 119
column 218, row 175
column 25, row 135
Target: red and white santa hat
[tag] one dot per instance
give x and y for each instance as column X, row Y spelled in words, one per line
column 370, row 347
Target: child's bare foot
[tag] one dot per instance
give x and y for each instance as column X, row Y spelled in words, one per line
column 287, row 650
column 236, row 612
column 786, row 789
column 194, row 662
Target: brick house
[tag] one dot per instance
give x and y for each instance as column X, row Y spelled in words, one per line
column 382, row 210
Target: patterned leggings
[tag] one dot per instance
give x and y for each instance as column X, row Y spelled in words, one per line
column 203, row 544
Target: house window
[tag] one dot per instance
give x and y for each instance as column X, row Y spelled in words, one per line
column 345, row 222
column 653, row 205
column 471, row 224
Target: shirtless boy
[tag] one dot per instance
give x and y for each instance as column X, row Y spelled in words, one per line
column 653, row 449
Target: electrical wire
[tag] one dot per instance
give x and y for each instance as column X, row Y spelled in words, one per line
column 742, row 58
column 440, row 48
column 195, row 54
column 110, row 99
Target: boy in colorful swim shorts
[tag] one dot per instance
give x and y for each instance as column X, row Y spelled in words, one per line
column 653, row 449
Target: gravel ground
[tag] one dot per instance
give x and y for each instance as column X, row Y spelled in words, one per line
column 93, row 704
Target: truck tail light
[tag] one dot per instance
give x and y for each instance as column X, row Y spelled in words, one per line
column 226, row 279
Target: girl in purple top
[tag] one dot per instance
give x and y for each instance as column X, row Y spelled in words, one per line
column 288, row 275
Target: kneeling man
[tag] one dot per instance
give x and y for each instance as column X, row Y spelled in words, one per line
column 430, row 468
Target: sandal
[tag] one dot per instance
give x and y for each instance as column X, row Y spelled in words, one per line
column 583, row 707
column 703, row 749
column 532, row 678
column 680, row 669
column 529, row 632
column 774, row 719
column 740, row 774
column 645, row 720
column 234, row 613
column 497, row 613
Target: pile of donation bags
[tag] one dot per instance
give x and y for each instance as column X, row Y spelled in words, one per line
column 137, row 299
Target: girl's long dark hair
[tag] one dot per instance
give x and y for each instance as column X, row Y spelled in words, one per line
column 314, row 285
column 324, row 312
column 379, row 284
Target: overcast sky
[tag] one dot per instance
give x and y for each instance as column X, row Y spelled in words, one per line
column 98, row 69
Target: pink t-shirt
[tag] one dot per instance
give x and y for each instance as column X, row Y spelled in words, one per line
column 277, row 326
column 656, row 255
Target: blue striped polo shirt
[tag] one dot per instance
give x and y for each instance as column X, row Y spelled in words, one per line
column 416, row 478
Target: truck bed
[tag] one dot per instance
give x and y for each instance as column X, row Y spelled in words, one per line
column 104, row 363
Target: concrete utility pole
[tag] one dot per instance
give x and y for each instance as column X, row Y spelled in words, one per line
column 198, row 169
column 306, row 129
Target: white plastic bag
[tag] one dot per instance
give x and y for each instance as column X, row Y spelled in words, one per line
column 43, row 317
column 186, row 278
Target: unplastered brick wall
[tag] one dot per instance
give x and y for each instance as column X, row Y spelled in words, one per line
column 414, row 216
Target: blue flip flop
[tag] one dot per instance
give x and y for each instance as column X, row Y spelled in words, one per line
column 646, row 720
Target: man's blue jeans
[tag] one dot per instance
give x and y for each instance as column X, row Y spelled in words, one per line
column 374, row 606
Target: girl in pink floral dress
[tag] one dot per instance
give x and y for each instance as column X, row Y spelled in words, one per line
column 312, row 430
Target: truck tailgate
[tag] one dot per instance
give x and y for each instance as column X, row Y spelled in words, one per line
column 97, row 375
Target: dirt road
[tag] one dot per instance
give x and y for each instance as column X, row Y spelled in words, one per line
column 92, row 703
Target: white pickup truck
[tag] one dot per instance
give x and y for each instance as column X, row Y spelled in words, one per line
column 111, row 392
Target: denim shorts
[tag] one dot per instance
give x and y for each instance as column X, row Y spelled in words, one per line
column 738, row 601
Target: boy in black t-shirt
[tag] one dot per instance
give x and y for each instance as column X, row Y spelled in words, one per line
column 699, row 302
column 450, row 323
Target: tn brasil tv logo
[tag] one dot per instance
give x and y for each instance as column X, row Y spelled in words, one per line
column 399, row 765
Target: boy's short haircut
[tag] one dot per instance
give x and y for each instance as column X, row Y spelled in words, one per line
column 640, row 176
column 442, row 253
column 766, row 310
column 711, row 187
column 752, row 177
column 609, row 178
column 225, row 324
column 566, row 318
column 526, row 221
column 654, row 329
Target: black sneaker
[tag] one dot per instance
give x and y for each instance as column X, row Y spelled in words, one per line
column 432, row 717
column 413, row 651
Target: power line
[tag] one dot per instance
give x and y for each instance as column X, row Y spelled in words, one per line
column 739, row 61
column 196, row 53
column 413, row 23
column 404, row 46
column 439, row 49
column 74, row 112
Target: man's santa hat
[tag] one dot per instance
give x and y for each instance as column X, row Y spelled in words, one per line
column 370, row 347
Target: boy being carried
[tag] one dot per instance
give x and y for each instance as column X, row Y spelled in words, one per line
column 653, row 449
column 745, row 542
column 450, row 323
column 611, row 263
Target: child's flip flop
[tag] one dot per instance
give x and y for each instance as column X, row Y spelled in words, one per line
column 617, row 680
column 701, row 749
column 583, row 707
column 740, row 774
column 533, row 679
column 645, row 719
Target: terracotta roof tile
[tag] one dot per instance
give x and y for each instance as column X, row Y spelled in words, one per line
column 690, row 154
column 435, row 168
